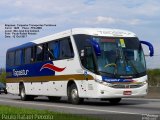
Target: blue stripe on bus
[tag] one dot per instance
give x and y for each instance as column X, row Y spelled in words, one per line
column 29, row 70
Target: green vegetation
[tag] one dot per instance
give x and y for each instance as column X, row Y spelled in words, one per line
column 3, row 77
column 7, row 112
column 154, row 77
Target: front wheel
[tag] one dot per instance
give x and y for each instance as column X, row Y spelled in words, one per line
column 114, row 100
column 5, row 91
column 73, row 96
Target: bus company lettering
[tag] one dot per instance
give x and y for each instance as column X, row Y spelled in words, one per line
column 20, row 72
column 111, row 80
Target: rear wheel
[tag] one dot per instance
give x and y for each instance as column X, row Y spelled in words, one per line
column 73, row 96
column 114, row 100
column 23, row 95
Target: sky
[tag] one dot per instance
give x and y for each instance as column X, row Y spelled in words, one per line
column 139, row 16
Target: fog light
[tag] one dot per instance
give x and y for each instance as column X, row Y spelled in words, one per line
column 102, row 92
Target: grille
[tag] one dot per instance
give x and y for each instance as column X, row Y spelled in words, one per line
column 126, row 85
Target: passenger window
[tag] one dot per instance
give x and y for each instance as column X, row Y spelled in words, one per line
column 18, row 57
column 60, row 49
column 10, row 58
column 66, row 50
column 53, row 50
column 39, row 53
column 28, row 55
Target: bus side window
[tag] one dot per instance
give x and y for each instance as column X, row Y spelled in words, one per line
column 10, row 58
column 56, row 50
column 18, row 59
column 53, row 50
column 46, row 56
column 89, row 59
column 39, row 53
column 27, row 56
column 66, row 49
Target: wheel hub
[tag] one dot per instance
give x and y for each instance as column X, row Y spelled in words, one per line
column 22, row 93
column 74, row 94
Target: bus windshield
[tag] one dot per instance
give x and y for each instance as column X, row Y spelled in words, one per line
column 117, row 58
column 120, row 56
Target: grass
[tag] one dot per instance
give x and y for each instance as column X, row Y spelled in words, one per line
column 154, row 77
column 17, row 113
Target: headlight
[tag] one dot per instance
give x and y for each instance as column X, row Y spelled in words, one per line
column 98, row 80
column 145, row 82
column 104, row 83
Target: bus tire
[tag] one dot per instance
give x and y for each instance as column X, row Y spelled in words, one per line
column 23, row 95
column 114, row 101
column 73, row 96
column 54, row 99
column 5, row 91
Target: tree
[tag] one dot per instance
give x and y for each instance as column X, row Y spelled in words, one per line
column 2, row 70
column 3, row 77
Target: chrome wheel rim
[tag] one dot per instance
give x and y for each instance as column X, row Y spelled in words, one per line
column 22, row 93
column 74, row 94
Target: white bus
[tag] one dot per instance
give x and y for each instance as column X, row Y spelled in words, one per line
column 79, row 63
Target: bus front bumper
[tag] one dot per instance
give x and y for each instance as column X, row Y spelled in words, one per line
column 109, row 92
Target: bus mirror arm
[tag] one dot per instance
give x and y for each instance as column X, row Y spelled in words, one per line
column 151, row 49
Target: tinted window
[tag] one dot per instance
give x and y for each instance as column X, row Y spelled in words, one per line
column 29, row 55
column 39, row 53
column 61, row 49
column 18, row 57
column 10, row 58
column 66, row 50
column 132, row 43
column 89, row 62
column 53, row 50
column 83, row 44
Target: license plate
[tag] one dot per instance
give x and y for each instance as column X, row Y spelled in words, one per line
column 127, row 93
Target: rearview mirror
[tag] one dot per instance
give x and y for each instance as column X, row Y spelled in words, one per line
column 150, row 46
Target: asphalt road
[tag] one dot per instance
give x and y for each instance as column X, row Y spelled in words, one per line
column 127, row 109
